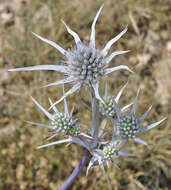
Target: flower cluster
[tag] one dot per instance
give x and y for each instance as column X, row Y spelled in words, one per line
column 84, row 65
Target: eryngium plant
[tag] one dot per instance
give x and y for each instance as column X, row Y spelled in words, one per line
column 84, row 65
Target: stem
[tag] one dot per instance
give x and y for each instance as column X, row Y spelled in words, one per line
column 95, row 115
column 95, row 126
column 68, row 183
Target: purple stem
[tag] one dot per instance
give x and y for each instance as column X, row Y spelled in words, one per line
column 95, row 126
column 95, row 115
column 68, row 183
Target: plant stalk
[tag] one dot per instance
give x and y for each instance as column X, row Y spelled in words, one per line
column 95, row 126
column 95, row 115
column 68, row 183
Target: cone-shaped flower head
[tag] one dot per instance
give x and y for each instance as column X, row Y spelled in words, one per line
column 64, row 124
column 86, row 64
column 108, row 154
column 61, row 122
column 107, row 106
column 83, row 63
column 74, row 131
column 128, row 126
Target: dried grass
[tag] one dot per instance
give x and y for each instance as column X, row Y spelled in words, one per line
column 24, row 167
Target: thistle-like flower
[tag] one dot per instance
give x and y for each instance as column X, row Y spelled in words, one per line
column 107, row 107
column 108, row 154
column 83, row 63
column 61, row 122
column 128, row 126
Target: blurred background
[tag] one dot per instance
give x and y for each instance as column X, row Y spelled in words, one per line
column 22, row 166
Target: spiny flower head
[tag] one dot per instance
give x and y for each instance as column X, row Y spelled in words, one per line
column 128, row 126
column 78, row 137
column 107, row 106
column 86, row 64
column 60, row 122
column 83, row 64
column 109, row 152
column 74, row 131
